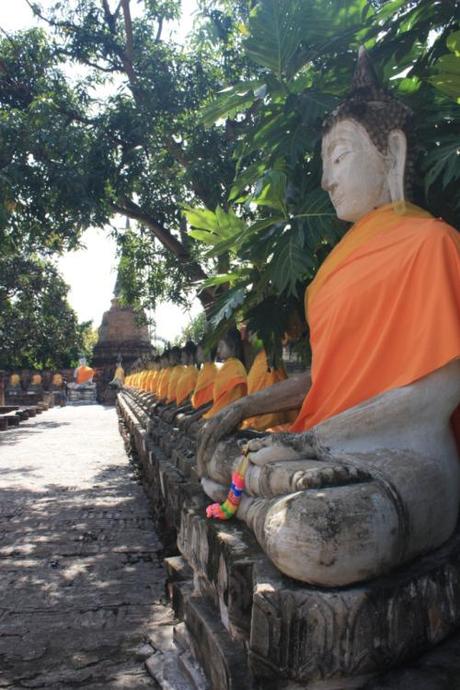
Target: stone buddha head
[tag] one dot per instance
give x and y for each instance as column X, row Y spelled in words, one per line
column 188, row 353
column 204, row 353
column 174, row 356
column 230, row 345
column 365, row 147
column 164, row 359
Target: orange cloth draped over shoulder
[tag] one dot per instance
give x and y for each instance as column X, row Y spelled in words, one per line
column 204, row 386
column 231, row 383
column 153, row 381
column 57, row 380
column 15, row 380
column 163, row 383
column 144, row 379
column 261, row 376
column 186, row 383
column 84, row 374
column 119, row 374
column 383, row 310
column 147, row 380
column 176, row 373
column 36, row 380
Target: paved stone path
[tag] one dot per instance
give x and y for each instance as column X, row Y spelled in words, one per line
column 81, row 581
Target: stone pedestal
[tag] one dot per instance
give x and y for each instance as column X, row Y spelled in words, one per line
column 251, row 627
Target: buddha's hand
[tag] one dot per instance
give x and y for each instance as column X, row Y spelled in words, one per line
column 280, row 447
column 214, row 430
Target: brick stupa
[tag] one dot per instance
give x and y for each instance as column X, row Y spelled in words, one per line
column 122, row 333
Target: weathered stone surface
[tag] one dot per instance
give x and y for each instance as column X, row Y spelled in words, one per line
column 292, row 635
column 81, row 579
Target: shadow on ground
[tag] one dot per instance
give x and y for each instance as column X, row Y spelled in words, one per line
column 27, row 429
column 81, row 583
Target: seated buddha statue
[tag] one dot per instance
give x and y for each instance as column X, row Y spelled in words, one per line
column 187, row 381
column 202, row 395
column 36, row 383
column 13, row 386
column 263, row 374
column 218, row 386
column 119, row 376
column 367, row 478
column 83, row 374
column 181, row 383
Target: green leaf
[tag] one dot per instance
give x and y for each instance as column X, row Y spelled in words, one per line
column 227, row 305
column 443, row 163
column 229, row 102
column 273, row 191
column 291, row 262
column 277, row 28
column 222, row 279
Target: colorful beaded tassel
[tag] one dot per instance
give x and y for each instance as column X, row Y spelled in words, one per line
column 227, row 509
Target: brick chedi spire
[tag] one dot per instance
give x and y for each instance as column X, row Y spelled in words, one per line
column 123, row 336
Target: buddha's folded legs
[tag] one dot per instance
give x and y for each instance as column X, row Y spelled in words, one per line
column 330, row 509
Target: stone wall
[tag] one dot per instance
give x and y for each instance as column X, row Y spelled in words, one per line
column 249, row 626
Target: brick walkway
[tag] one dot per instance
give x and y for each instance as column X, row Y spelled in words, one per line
column 81, row 581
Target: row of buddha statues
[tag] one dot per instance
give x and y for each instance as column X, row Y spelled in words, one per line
column 36, row 382
column 194, row 379
column 366, row 478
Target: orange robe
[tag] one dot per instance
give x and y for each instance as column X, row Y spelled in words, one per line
column 119, row 374
column 36, row 380
column 153, row 381
column 84, row 374
column 231, row 384
column 204, row 386
column 383, row 310
column 260, row 376
column 57, row 380
column 163, row 383
column 186, row 383
column 176, row 373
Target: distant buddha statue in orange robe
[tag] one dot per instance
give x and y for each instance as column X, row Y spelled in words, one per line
column 204, row 386
column 187, row 380
column 368, row 478
column 36, row 383
column 57, row 380
column 230, row 383
column 83, row 373
column 260, row 376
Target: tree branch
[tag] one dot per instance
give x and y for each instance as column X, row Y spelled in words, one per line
column 128, row 57
column 193, row 270
column 160, row 29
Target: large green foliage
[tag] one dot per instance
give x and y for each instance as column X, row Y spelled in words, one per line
column 99, row 117
column 107, row 116
column 278, row 224
column 38, row 329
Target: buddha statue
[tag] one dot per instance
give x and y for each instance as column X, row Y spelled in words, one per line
column 57, row 388
column 367, row 478
column 231, row 380
column 187, row 381
column 119, row 376
column 202, row 394
column 83, row 374
column 14, row 382
column 13, row 388
column 36, row 383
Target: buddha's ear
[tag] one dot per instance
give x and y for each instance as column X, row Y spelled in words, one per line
column 396, row 156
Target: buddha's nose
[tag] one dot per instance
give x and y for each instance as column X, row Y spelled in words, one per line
column 325, row 181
